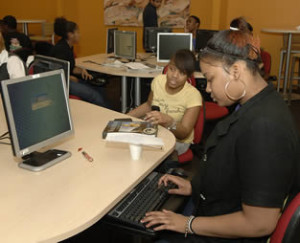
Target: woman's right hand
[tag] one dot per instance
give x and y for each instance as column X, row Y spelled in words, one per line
column 184, row 186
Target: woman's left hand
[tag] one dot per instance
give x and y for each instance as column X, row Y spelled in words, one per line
column 85, row 75
column 165, row 220
column 158, row 118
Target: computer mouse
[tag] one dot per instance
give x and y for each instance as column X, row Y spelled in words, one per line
column 178, row 172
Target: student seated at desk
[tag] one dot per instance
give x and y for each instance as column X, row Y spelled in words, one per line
column 69, row 33
column 178, row 100
column 251, row 160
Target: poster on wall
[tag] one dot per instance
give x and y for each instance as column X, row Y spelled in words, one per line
column 130, row 12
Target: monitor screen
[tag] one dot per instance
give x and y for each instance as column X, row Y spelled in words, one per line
column 150, row 37
column 43, row 64
column 125, row 44
column 202, row 37
column 110, row 33
column 169, row 43
column 38, row 115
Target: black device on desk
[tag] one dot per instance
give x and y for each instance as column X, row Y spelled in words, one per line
column 145, row 197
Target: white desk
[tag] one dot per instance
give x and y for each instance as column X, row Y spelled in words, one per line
column 289, row 32
column 95, row 63
column 69, row 197
column 25, row 23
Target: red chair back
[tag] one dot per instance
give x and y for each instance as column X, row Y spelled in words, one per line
column 288, row 226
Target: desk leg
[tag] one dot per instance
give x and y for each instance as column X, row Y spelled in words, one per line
column 25, row 28
column 124, row 94
column 287, row 65
column 137, row 91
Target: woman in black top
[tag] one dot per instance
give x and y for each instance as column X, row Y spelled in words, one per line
column 251, row 160
column 63, row 49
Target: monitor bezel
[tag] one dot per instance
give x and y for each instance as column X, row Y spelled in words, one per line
column 159, row 59
column 57, row 60
column 198, row 33
column 110, row 33
column 133, row 57
column 156, row 30
column 17, row 151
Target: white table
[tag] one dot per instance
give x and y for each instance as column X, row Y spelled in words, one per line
column 25, row 23
column 289, row 32
column 67, row 198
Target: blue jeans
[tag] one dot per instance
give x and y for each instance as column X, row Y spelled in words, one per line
column 88, row 92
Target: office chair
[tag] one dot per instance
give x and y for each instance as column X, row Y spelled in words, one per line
column 288, row 226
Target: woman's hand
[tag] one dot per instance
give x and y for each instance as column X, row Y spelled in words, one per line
column 85, row 75
column 184, row 186
column 158, row 118
column 165, row 220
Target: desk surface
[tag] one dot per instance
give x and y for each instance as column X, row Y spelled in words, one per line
column 31, row 21
column 70, row 196
column 95, row 63
column 281, row 30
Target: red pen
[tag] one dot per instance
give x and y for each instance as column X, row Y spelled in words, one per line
column 87, row 156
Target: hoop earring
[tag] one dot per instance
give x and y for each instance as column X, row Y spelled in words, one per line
column 230, row 96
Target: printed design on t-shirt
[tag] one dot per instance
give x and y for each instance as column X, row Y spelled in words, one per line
column 167, row 107
column 14, row 44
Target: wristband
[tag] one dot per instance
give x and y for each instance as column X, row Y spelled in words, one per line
column 188, row 228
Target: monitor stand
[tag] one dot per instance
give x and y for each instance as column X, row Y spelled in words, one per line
column 38, row 161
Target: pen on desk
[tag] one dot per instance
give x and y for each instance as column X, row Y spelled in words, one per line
column 87, row 156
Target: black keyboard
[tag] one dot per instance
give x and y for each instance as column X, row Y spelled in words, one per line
column 145, row 197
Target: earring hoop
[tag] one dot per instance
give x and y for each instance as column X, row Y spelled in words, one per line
column 230, row 96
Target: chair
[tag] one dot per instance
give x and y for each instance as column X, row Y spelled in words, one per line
column 288, row 226
column 47, row 34
column 295, row 49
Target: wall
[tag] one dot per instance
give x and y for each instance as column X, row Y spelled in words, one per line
column 215, row 14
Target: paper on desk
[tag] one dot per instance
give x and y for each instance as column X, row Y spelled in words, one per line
column 135, row 138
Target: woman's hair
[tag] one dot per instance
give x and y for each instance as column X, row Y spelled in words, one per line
column 185, row 61
column 2, row 42
column 240, row 24
column 229, row 46
column 62, row 27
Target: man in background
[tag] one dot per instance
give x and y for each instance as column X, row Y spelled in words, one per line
column 150, row 18
column 192, row 24
column 13, row 38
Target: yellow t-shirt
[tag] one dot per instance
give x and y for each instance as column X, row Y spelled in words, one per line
column 175, row 105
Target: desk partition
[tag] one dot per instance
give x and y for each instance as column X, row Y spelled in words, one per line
column 69, row 197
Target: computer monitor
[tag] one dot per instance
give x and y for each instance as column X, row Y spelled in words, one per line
column 169, row 43
column 43, row 64
column 110, row 33
column 125, row 44
column 150, row 37
column 38, row 116
column 202, row 37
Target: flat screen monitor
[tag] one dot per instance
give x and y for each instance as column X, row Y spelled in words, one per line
column 169, row 43
column 110, row 33
column 202, row 37
column 125, row 44
column 38, row 116
column 150, row 37
column 43, row 64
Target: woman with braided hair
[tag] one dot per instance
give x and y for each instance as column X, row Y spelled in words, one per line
column 250, row 162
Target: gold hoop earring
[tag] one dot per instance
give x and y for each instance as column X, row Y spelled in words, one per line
column 230, row 96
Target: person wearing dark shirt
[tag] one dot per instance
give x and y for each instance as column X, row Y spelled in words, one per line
column 251, row 159
column 150, row 18
column 14, row 39
column 192, row 24
column 79, row 77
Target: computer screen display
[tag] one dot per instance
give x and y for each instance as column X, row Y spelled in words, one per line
column 43, row 64
column 202, row 37
column 150, row 37
column 38, row 115
column 110, row 33
column 125, row 44
column 169, row 43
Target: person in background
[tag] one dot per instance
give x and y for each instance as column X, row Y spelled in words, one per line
column 192, row 24
column 178, row 100
column 13, row 38
column 79, row 86
column 150, row 18
column 251, row 159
